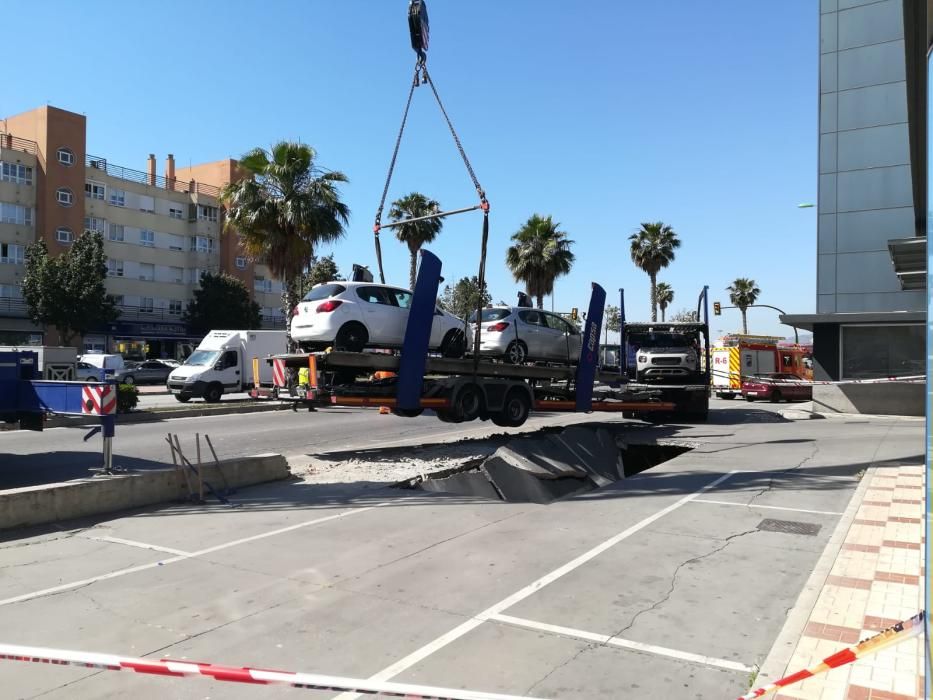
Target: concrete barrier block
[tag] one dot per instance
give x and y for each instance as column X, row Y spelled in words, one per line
column 37, row 505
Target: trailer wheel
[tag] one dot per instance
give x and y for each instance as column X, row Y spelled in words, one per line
column 514, row 411
column 468, row 404
column 516, row 353
column 446, row 416
column 351, row 337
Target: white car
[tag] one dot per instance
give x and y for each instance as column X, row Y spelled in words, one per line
column 88, row 372
column 356, row 315
column 520, row 334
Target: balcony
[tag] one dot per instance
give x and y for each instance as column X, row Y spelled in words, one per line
column 272, row 323
column 139, row 313
column 15, row 143
column 144, row 178
column 13, row 308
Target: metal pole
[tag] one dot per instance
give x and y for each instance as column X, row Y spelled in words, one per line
column 439, row 215
column 623, row 355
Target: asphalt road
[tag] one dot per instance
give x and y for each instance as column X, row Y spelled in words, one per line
column 59, row 454
column 667, row 584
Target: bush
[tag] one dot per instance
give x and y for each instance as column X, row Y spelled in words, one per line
column 127, row 398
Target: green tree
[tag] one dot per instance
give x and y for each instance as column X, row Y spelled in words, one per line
column 684, row 316
column 319, row 271
column 464, row 297
column 221, row 302
column 68, row 291
column 541, row 253
column 743, row 292
column 416, row 233
column 612, row 320
column 652, row 248
column 283, row 207
column 665, row 295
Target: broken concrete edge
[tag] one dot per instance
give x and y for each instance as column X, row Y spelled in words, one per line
column 775, row 665
column 70, row 500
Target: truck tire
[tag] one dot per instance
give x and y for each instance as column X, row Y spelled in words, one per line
column 213, row 393
column 351, row 337
column 468, row 403
column 514, row 411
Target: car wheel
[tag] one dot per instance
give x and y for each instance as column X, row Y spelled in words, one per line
column 351, row 337
column 454, row 344
column 776, row 396
column 213, row 393
column 749, row 398
column 128, row 379
column 515, row 410
column 516, row 353
column 182, row 398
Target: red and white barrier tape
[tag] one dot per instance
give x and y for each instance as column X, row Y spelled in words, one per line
column 889, row 637
column 308, row 681
column 805, row 382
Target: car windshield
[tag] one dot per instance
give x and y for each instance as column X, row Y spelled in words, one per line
column 325, row 291
column 203, row 358
column 491, row 315
column 662, row 340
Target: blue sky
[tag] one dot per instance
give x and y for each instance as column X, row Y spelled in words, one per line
column 602, row 114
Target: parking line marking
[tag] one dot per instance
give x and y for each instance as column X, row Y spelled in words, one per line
column 140, row 545
column 625, row 643
column 756, row 505
column 142, row 567
column 418, row 655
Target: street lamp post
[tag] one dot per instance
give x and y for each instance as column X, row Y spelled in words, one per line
column 768, row 306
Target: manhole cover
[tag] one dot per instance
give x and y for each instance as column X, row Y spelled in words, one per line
column 789, row 527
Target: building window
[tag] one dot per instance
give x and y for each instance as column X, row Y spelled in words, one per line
column 15, row 172
column 117, row 197
column 64, row 235
column 175, row 242
column 94, row 190
column 11, row 291
column 64, row 196
column 176, row 274
column 202, row 244
column 66, row 156
column 12, row 254
column 147, row 238
column 93, row 223
column 174, row 307
column 175, row 213
column 119, row 300
column 146, row 305
column 261, row 284
column 114, row 268
column 117, row 234
column 206, row 213
column 15, row 214
column 194, row 275
column 146, row 272
column 241, row 263
column 870, row 352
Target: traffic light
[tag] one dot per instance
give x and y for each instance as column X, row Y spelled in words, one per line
column 574, row 314
column 717, row 309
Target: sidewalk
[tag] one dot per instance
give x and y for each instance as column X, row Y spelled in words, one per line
column 875, row 581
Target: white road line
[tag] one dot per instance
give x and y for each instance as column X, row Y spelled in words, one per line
column 142, row 567
column 626, row 643
column 418, row 655
column 756, row 505
column 140, row 545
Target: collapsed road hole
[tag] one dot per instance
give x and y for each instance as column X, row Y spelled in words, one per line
column 545, row 467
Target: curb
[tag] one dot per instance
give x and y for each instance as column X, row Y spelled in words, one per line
column 152, row 416
column 775, row 664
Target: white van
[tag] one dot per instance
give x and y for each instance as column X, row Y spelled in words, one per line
column 109, row 363
column 222, row 364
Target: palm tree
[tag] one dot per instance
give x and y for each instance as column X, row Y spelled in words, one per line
column 282, row 208
column 652, row 249
column 665, row 294
column 417, row 233
column 743, row 293
column 540, row 255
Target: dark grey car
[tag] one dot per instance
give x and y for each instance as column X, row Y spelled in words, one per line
column 148, row 372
